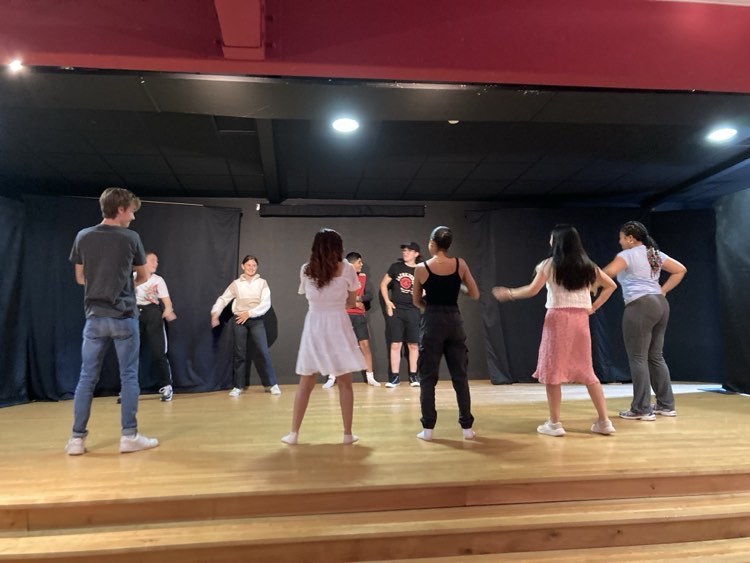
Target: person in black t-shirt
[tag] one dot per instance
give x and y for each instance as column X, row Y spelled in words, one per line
column 401, row 316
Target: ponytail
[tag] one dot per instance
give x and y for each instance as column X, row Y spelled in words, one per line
column 638, row 231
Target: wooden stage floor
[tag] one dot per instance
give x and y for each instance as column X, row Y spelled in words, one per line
column 212, row 444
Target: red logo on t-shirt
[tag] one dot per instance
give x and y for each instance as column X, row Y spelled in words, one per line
column 405, row 282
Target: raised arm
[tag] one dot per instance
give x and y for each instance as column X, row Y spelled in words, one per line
column 615, row 267
column 503, row 293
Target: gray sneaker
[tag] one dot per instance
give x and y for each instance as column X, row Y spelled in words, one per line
column 75, row 446
column 136, row 443
column 630, row 415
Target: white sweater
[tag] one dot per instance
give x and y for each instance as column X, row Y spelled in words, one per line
column 249, row 293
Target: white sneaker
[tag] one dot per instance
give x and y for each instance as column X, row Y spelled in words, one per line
column 290, row 438
column 275, row 390
column 551, row 429
column 235, row 392
column 136, row 443
column 605, row 427
column 330, row 383
column 75, row 446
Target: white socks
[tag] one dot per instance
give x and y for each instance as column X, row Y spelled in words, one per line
column 469, row 434
column 371, row 379
column 290, row 438
column 350, row 438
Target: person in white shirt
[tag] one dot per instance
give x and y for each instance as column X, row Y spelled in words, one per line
column 252, row 300
column 644, row 321
column 150, row 297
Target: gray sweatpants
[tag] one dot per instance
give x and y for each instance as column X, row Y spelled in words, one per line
column 644, row 323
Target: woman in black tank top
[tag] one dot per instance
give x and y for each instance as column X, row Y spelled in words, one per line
column 442, row 290
column 441, row 329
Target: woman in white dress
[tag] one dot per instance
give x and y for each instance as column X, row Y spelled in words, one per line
column 328, row 344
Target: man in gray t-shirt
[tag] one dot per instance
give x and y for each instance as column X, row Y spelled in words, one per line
column 105, row 257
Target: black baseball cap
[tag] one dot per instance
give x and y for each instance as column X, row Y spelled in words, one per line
column 411, row 246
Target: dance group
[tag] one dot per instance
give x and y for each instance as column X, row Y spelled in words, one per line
column 109, row 259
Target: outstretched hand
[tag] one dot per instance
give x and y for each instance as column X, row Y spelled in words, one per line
column 502, row 293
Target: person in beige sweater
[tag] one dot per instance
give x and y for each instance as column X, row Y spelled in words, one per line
column 252, row 300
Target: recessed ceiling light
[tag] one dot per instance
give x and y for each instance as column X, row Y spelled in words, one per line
column 453, row 121
column 345, row 125
column 15, row 65
column 722, row 134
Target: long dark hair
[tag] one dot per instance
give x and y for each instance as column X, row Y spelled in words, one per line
column 638, row 231
column 573, row 269
column 327, row 252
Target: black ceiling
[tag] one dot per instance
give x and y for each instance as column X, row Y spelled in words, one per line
column 186, row 135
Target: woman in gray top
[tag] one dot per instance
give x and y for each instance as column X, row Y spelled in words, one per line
column 645, row 318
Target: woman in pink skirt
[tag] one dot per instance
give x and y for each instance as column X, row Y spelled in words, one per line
column 565, row 350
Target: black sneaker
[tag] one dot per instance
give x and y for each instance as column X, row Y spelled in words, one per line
column 395, row 382
column 413, row 380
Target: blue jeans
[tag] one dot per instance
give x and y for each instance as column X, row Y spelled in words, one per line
column 98, row 332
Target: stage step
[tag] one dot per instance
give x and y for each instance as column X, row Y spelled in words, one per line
column 724, row 551
column 434, row 532
column 125, row 511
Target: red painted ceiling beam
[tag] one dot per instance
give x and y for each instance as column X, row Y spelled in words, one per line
column 642, row 44
column 241, row 23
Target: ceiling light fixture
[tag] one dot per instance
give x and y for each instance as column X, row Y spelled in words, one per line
column 15, row 65
column 453, row 121
column 345, row 125
column 722, row 134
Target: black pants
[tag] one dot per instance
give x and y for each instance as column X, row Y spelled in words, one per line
column 441, row 333
column 251, row 345
column 151, row 327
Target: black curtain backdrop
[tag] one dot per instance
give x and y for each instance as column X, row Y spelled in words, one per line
column 733, row 257
column 512, row 241
column 197, row 249
column 694, row 347
column 13, row 321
